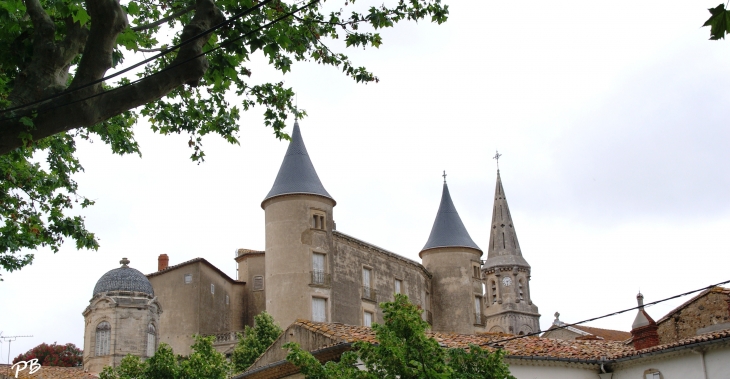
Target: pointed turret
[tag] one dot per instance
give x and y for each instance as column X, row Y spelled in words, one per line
column 297, row 174
column 452, row 258
column 504, row 249
column 448, row 230
column 299, row 222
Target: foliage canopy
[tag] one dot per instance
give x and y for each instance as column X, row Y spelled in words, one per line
column 67, row 355
column 254, row 341
column 204, row 362
column 53, row 91
column 403, row 351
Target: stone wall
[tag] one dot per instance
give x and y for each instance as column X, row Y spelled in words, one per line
column 129, row 314
column 191, row 308
column 704, row 311
column 348, row 260
column 252, row 270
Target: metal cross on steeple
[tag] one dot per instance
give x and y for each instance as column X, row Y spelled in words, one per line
column 444, row 175
column 496, row 156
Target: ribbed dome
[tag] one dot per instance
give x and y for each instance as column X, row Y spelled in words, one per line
column 124, row 279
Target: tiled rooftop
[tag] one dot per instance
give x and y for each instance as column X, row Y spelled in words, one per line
column 46, row 372
column 521, row 347
column 606, row 334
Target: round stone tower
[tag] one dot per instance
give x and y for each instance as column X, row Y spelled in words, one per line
column 452, row 257
column 122, row 318
column 298, row 240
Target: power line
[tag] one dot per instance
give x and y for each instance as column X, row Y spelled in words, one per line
column 227, row 42
column 161, row 54
column 612, row 314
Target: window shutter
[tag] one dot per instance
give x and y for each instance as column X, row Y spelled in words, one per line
column 319, row 309
column 318, row 262
column 367, row 319
column 258, row 283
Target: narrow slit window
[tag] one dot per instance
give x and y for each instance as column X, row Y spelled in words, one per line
column 494, row 291
column 103, row 335
column 212, row 288
column 151, row 340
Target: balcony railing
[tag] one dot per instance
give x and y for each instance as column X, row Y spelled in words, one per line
column 480, row 319
column 320, row 278
column 231, row 336
column 369, row 293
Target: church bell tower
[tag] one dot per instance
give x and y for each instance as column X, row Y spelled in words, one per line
column 509, row 307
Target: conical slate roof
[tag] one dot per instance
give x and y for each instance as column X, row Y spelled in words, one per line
column 297, row 174
column 448, row 230
column 504, row 249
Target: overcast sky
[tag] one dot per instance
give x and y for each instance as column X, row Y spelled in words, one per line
column 612, row 122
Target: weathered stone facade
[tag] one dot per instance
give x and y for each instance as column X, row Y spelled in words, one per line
column 310, row 271
column 705, row 310
column 198, row 299
column 129, row 316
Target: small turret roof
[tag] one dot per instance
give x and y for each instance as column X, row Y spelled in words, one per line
column 448, row 230
column 297, row 174
column 504, row 249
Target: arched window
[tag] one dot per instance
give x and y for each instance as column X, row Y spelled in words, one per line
column 103, row 335
column 151, row 340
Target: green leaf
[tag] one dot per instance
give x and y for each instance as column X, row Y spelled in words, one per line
column 26, row 121
column 719, row 22
column 133, row 8
column 81, row 16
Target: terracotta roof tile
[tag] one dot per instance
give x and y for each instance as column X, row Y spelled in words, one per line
column 521, row 347
column 606, row 334
column 46, row 372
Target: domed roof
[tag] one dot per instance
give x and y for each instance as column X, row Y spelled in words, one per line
column 124, row 278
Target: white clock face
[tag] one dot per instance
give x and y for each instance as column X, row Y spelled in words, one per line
column 507, row 281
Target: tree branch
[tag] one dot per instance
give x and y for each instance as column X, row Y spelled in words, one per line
column 108, row 19
column 173, row 16
column 55, row 117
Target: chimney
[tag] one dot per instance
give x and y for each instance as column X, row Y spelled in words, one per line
column 644, row 328
column 162, row 261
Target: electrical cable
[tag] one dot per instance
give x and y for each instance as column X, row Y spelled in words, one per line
column 610, row 314
column 225, row 43
column 160, row 54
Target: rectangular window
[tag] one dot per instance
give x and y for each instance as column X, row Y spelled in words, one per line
column 188, row 278
column 398, row 286
column 653, row 375
column 258, row 283
column 366, row 284
column 319, row 309
column 478, row 310
column 212, row 288
column 318, row 274
column 227, row 300
column 367, row 319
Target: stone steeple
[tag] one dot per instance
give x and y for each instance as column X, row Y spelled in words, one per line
column 504, row 248
column 448, row 230
column 509, row 306
column 297, row 174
